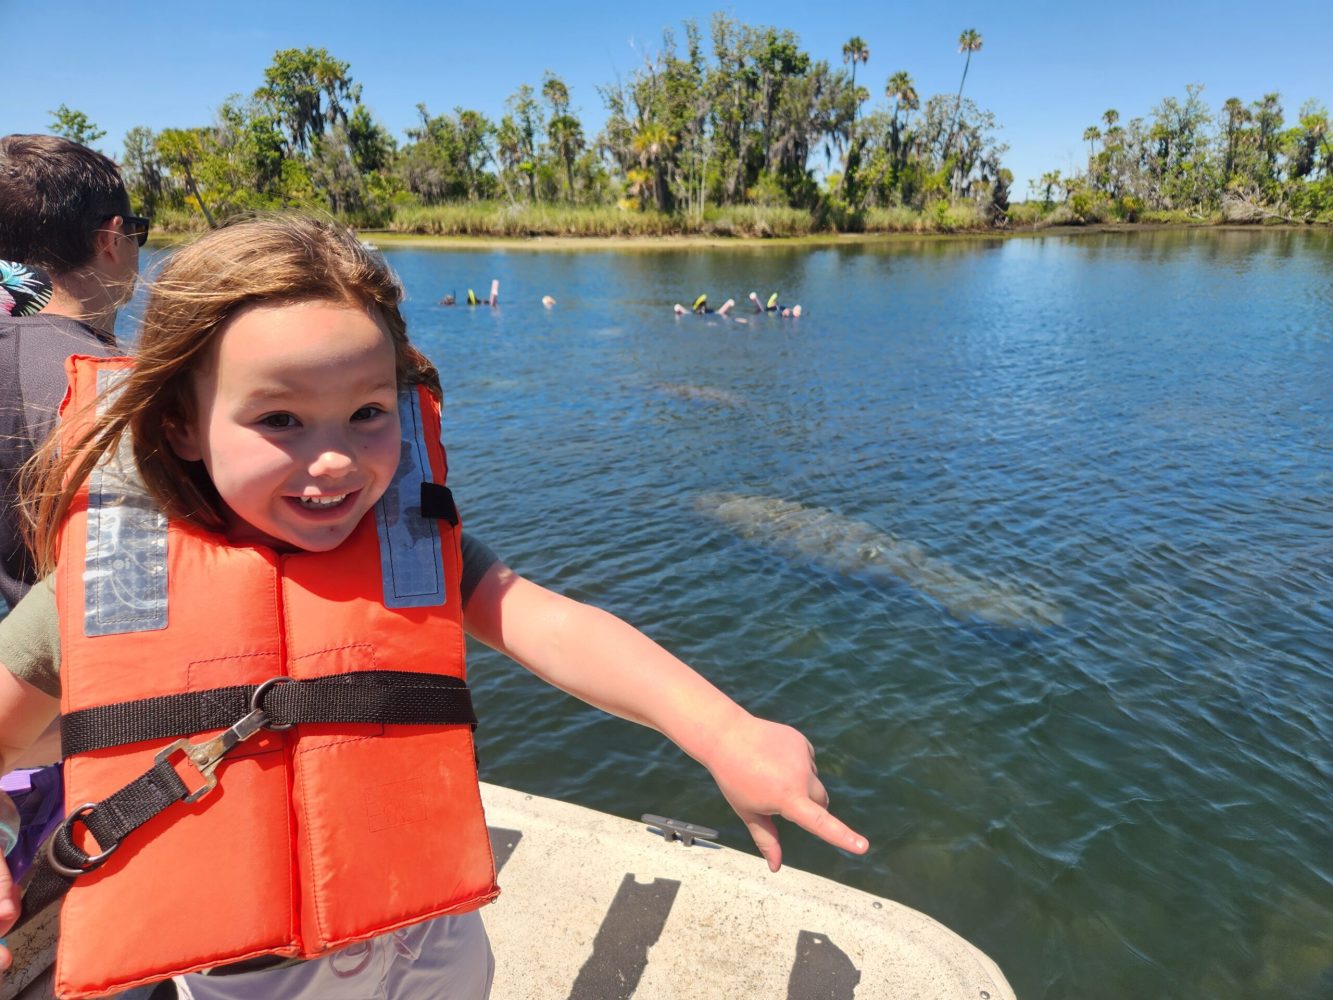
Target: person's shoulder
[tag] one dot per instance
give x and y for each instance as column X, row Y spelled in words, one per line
column 59, row 332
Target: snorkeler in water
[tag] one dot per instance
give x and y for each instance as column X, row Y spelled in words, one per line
column 700, row 307
column 774, row 307
column 493, row 301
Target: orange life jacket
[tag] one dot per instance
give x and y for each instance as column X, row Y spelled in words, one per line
column 317, row 836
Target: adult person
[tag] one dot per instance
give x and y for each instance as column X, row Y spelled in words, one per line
column 64, row 209
column 72, row 246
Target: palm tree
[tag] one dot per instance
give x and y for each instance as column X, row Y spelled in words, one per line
column 1235, row 118
column 969, row 41
column 556, row 93
column 1049, row 181
column 652, row 144
column 904, row 96
column 566, row 135
column 1090, row 135
column 854, row 50
column 563, row 130
column 901, row 89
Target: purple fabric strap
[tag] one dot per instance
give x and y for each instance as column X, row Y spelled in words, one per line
column 40, row 796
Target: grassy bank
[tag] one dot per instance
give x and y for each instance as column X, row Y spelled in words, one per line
column 570, row 224
column 501, row 220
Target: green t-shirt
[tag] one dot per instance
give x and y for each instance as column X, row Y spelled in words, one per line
column 30, row 633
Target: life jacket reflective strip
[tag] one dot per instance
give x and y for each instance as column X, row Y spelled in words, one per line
column 316, row 837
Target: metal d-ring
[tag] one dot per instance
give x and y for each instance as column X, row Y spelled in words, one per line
column 257, row 699
column 94, row 860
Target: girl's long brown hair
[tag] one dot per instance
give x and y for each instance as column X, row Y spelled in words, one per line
column 272, row 259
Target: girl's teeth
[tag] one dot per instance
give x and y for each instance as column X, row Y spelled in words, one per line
column 323, row 501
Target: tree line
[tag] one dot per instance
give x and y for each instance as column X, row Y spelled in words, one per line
column 741, row 115
column 738, row 116
column 1243, row 163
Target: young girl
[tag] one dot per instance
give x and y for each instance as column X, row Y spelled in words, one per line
column 255, row 636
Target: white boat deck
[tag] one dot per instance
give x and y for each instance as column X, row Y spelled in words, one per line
column 593, row 907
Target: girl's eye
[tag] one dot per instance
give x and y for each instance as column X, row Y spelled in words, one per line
column 277, row 420
column 367, row 413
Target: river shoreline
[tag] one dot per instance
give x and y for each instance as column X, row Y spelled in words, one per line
column 425, row 241
column 703, row 242
column 690, row 242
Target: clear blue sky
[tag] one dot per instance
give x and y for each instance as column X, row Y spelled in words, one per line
column 1047, row 70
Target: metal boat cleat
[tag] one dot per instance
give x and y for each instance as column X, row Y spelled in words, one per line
column 675, row 829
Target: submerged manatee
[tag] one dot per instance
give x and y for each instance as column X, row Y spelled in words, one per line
column 699, row 393
column 856, row 549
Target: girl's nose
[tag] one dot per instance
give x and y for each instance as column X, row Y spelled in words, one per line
column 333, row 461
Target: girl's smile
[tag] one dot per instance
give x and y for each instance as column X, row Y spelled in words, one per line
column 296, row 421
column 323, row 501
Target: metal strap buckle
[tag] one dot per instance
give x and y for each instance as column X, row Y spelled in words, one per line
column 206, row 756
column 91, row 861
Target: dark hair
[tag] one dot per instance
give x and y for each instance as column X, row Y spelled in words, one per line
column 53, row 195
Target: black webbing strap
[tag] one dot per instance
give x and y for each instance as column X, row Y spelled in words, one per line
column 386, row 696
column 111, row 819
column 377, row 696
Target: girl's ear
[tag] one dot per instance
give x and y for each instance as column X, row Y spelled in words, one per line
column 183, row 437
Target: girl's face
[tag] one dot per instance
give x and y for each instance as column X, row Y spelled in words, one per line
column 296, row 421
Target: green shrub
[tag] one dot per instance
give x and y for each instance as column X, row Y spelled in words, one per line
column 1128, row 208
column 956, row 217
column 1027, row 213
column 897, row 219
column 1061, row 215
column 179, row 220
column 1090, row 206
column 757, row 220
column 768, row 191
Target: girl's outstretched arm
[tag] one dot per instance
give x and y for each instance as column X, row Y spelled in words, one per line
column 762, row 768
column 25, row 712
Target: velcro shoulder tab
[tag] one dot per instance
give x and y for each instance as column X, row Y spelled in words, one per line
column 437, row 503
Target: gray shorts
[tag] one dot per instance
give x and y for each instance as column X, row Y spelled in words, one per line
column 448, row 958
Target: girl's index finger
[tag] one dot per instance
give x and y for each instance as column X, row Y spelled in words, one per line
column 814, row 818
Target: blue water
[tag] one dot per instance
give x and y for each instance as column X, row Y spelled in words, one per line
column 1136, row 802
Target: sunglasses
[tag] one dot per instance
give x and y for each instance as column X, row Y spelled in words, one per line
column 135, row 226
